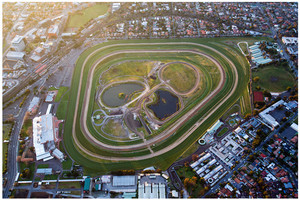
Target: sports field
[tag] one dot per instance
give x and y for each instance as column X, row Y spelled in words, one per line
column 80, row 19
column 273, row 79
column 224, row 82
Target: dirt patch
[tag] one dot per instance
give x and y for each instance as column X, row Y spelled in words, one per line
column 41, row 195
column 274, row 79
column 21, row 193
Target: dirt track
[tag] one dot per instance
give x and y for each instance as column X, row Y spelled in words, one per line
column 167, row 133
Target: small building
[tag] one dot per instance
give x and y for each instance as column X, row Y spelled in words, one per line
column 124, row 180
column 15, row 55
column 258, row 96
column 17, row 44
column 46, row 171
column 33, row 106
column 53, row 31
column 50, row 96
column 58, row 154
column 87, row 184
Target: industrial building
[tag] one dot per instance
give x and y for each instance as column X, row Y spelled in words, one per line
column 14, row 55
column 123, row 180
column 267, row 117
column 152, row 191
column 290, row 40
column 17, row 44
column 45, row 135
column 34, row 104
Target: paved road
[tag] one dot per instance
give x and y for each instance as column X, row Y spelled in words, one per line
column 12, row 167
column 172, row 129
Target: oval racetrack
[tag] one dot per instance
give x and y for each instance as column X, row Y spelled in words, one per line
column 170, row 130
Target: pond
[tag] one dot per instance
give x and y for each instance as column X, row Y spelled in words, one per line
column 166, row 105
column 120, row 94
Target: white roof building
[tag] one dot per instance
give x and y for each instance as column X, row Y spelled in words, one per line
column 17, row 43
column 124, row 180
column 44, row 136
column 33, row 104
column 268, row 118
column 14, row 55
column 290, row 40
column 152, row 191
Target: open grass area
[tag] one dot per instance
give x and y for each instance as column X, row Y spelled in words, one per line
column 83, row 16
column 114, row 127
column 273, row 79
column 127, row 68
column 222, row 132
column 51, row 177
column 234, row 109
column 63, row 185
column 164, row 160
column 181, row 77
column 244, row 48
column 30, row 166
column 67, row 164
column 42, row 166
column 4, row 151
column 6, row 129
column 63, row 106
column 60, row 93
column 245, row 102
column 192, row 149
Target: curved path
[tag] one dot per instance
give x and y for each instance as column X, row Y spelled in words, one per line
column 164, row 134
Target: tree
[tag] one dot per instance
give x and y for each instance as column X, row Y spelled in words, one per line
column 195, row 157
column 288, row 88
column 256, row 79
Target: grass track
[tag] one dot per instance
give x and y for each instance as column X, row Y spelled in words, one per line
column 166, row 159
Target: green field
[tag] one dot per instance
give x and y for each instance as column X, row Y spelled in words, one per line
column 181, row 77
column 273, row 79
column 244, row 48
column 63, row 106
column 60, row 93
column 6, row 128
column 222, row 132
column 63, row 185
column 114, row 128
column 80, row 19
column 164, row 160
column 130, row 68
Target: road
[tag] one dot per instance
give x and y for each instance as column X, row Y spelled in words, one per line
column 12, row 168
column 279, row 42
column 161, row 136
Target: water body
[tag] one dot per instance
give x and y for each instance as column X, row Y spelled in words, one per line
column 110, row 96
column 166, row 104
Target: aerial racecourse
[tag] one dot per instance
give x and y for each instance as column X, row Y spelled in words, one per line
column 141, row 103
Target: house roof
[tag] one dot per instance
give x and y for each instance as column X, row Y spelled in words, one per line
column 258, row 96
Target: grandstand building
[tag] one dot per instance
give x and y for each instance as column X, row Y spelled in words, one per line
column 17, row 44
column 45, row 136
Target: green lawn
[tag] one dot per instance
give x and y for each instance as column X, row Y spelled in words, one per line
column 164, row 160
column 6, row 129
column 63, row 106
column 60, row 93
column 234, row 109
column 67, row 164
column 244, row 48
column 63, row 185
column 51, row 177
column 4, row 149
column 190, row 151
column 128, row 68
column 114, row 127
column 181, row 77
column 80, row 19
column 273, row 79
column 245, row 102
column 30, row 166
column 42, row 166
column 222, row 132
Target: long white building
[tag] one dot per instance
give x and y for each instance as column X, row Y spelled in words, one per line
column 45, row 135
column 17, row 43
